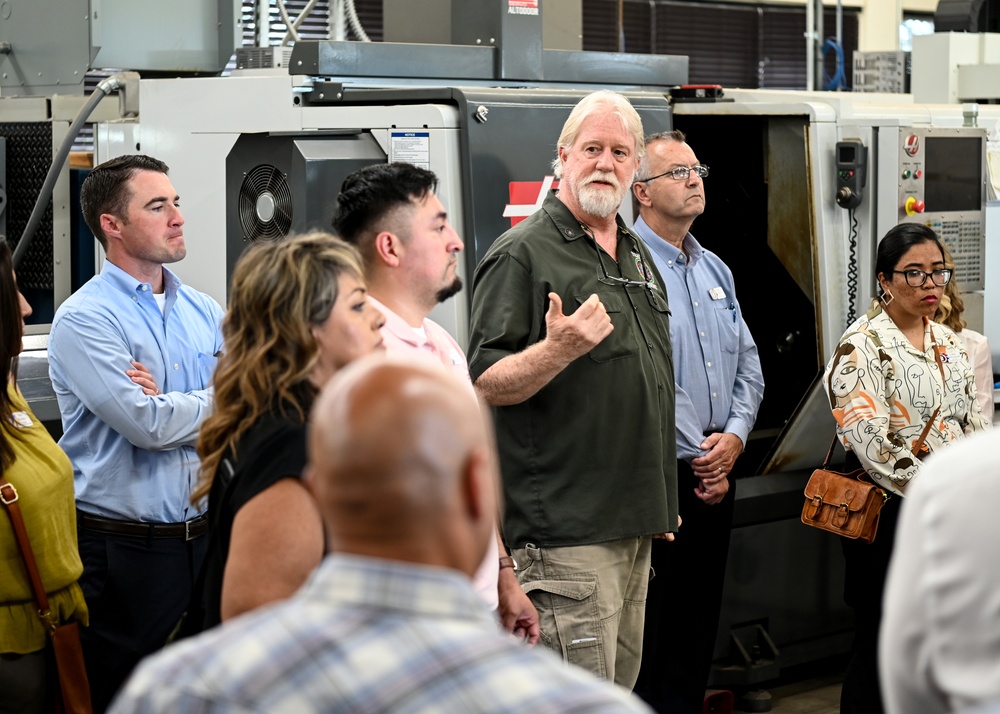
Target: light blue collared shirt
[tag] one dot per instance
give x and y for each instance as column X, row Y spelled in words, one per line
column 716, row 366
column 133, row 455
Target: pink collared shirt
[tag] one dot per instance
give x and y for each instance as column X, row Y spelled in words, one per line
column 434, row 342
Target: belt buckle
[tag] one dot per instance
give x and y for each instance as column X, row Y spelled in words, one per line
column 3, row 499
column 187, row 531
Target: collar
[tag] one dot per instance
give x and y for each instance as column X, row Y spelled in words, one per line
column 399, row 327
column 129, row 285
column 892, row 335
column 369, row 582
column 569, row 226
column 666, row 249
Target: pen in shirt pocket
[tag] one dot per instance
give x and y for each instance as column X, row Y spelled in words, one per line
column 732, row 306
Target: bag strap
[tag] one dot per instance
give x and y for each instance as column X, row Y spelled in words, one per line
column 829, row 454
column 919, row 443
column 9, row 498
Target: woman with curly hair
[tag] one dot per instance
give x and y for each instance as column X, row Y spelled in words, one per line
column 949, row 313
column 298, row 312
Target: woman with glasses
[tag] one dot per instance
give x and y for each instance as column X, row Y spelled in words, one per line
column 904, row 371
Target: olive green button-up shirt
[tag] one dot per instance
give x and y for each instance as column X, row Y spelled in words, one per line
column 592, row 456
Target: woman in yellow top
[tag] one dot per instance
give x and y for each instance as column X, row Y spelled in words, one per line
column 43, row 477
column 893, row 371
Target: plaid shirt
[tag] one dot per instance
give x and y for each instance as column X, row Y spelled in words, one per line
column 367, row 635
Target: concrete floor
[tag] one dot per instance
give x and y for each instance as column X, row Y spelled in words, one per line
column 813, row 696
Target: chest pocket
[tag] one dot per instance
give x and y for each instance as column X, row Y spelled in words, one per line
column 621, row 343
column 729, row 328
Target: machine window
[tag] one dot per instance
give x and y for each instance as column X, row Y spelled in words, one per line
column 954, row 175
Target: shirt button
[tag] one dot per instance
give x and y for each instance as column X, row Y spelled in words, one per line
column 712, row 425
column 670, row 262
column 135, row 299
column 696, row 303
column 702, row 334
column 714, row 395
column 145, row 288
column 709, row 364
column 649, row 345
column 176, row 366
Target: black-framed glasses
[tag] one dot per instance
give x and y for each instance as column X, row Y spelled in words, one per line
column 681, row 173
column 917, row 278
column 611, row 279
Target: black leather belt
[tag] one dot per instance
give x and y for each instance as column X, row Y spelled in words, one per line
column 188, row 530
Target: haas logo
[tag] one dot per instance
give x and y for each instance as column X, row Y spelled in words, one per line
column 526, row 197
column 912, row 145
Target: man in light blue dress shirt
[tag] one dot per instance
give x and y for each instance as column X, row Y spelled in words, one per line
column 131, row 357
column 719, row 389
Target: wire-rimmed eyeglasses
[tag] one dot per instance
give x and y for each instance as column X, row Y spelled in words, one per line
column 917, row 278
column 681, row 173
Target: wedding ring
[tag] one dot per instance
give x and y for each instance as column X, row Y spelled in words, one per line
column 720, row 469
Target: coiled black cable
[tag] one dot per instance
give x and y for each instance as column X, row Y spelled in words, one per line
column 852, row 268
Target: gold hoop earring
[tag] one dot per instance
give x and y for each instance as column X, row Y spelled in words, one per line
column 885, row 303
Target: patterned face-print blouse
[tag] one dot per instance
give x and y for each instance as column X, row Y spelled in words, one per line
column 882, row 391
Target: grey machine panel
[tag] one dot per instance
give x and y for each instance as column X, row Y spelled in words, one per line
column 456, row 63
column 942, row 183
column 49, row 46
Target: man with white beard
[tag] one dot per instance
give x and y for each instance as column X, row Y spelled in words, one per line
column 570, row 342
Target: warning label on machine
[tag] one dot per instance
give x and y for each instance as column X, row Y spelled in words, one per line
column 413, row 147
column 522, row 7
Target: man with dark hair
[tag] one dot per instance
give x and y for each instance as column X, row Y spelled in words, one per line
column 389, row 622
column 719, row 388
column 410, row 249
column 131, row 356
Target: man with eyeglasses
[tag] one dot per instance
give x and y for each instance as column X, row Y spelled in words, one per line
column 570, row 340
column 719, row 389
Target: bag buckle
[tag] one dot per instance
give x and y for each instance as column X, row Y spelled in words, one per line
column 7, row 500
column 841, row 515
column 48, row 620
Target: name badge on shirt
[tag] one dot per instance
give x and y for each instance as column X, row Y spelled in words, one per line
column 717, row 294
column 21, row 419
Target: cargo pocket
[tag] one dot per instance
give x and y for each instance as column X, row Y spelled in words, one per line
column 570, row 620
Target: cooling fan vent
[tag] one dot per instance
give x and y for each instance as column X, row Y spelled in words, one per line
column 265, row 204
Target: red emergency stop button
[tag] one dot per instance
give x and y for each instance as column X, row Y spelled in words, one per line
column 913, row 206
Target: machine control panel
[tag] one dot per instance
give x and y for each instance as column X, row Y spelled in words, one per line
column 852, row 166
column 942, row 184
